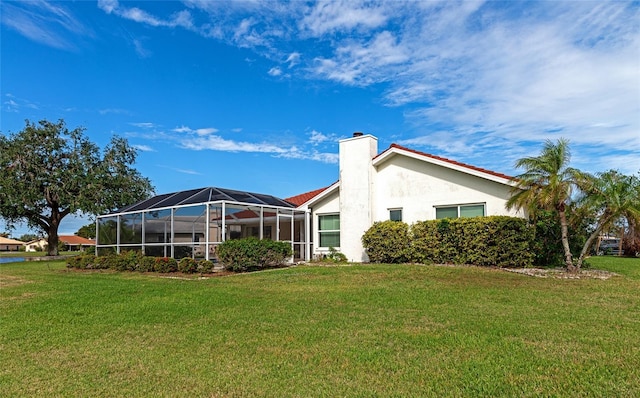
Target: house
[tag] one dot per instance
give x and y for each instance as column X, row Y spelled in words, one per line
column 36, row 245
column 396, row 184
column 10, row 245
column 71, row 243
column 76, row 243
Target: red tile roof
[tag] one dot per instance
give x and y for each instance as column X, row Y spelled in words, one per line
column 305, row 197
column 447, row 160
column 75, row 240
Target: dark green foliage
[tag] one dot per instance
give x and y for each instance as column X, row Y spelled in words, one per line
column 88, row 231
column 135, row 261
column 81, row 262
column 387, row 242
column 425, row 242
column 49, row 172
column 334, row 257
column 165, row 265
column 240, row 255
column 187, row 265
column 205, row 266
column 547, row 245
column 146, row 264
column 486, row 241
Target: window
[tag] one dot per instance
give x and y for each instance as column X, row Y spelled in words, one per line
column 395, row 214
column 460, row 211
column 329, row 230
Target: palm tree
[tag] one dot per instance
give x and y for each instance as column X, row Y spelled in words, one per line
column 610, row 197
column 548, row 183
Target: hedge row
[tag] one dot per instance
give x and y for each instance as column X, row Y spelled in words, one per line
column 135, row 261
column 236, row 255
column 486, row 241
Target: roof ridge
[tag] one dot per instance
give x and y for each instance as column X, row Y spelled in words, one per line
column 441, row 158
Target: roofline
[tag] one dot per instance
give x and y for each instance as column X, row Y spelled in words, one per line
column 232, row 202
column 396, row 149
column 321, row 195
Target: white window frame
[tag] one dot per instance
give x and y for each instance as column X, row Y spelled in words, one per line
column 321, row 231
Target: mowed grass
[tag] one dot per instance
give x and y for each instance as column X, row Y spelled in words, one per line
column 370, row 330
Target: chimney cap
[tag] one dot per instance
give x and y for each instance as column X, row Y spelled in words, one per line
column 358, row 134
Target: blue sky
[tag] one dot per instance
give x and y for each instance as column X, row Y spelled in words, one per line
column 254, row 95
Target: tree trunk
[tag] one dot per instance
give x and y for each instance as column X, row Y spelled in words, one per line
column 564, row 229
column 52, row 238
column 595, row 234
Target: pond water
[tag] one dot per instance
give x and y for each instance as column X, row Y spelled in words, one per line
column 11, row 259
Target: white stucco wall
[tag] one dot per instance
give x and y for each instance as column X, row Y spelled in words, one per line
column 417, row 187
column 356, row 199
column 371, row 185
column 329, row 204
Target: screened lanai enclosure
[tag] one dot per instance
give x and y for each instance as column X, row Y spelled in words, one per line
column 193, row 223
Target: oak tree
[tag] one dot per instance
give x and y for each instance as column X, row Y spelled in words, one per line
column 49, row 172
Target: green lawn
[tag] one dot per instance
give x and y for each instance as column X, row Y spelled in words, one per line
column 319, row 331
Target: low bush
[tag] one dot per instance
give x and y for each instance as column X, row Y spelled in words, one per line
column 187, row 265
column 85, row 261
column 205, row 266
column 165, row 265
column 241, row 255
column 146, row 264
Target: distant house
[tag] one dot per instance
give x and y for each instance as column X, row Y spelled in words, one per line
column 10, row 245
column 76, row 243
column 399, row 184
column 71, row 243
column 36, row 245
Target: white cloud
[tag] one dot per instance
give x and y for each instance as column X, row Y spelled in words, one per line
column 200, row 132
column 293, row 59
column 146, row 125
column 217, row 143
column 108, row 5
column 316, row 137
column 275, row 71
column 140, row 49
column 205, row 131
column 143, row 148
column 182, row 18
column 342, row 15
column 116, row 111
column 49, row 23
column 470, row 77
column 182, row 129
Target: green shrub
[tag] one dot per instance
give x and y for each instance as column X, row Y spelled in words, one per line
column 187, row 265
column 240, row 255
column 335, row 256
column 165, row 264
column 146, row 264
column 205, row 266
column 85, row 261
column 425, row 242
column 547, row 246
column 387, row 242
column 127, row 260
column 486, row 241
